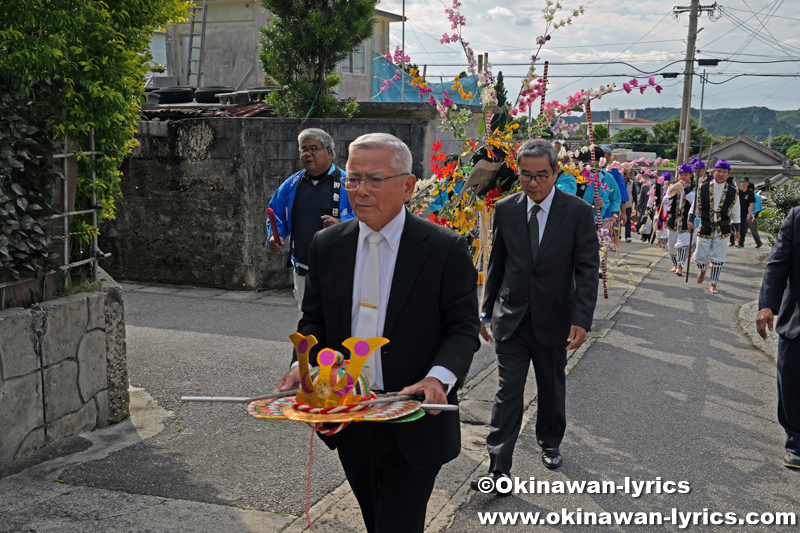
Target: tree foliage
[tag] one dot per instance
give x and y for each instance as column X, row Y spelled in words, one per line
column 94, row 56
column 665, row 137
column 500, row 119
column 793, row 152
column 783, row 199
column 302, row 46
column 600, row 134
column 637, row 139
column 781, row 143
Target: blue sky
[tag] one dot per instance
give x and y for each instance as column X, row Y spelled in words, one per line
column 643, row 34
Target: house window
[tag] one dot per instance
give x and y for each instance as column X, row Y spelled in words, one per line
column 356, row 62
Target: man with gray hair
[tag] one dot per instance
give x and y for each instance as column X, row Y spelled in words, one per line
column 308, row 201
column 539, row 299
column 392, row 274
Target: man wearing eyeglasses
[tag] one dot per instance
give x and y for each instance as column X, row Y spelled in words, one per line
column 307, row 202
column 394, row 275
column 540, row 294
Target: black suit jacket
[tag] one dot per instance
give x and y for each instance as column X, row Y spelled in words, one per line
column 561, row 289
column 431, row 319
column 784, row 265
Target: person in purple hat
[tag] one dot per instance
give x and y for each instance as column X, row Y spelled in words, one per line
column 699, row 170
column 679, row 199
column 718, row 208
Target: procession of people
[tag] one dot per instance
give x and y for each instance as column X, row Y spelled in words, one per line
column 365, row 266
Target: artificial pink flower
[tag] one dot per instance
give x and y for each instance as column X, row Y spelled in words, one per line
column 643, row 88
column 659, row 89
column 627, row 87
column 635, row 82
column 652, row 80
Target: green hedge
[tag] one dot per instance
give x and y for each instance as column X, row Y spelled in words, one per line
column 95, row 55
column 783, row 199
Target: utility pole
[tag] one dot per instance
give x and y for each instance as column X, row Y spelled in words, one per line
column 685, row 131
column 703, row 80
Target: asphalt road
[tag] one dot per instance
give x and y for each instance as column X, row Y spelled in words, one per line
column 192, row 343
column 670, row 388
column 674, row 392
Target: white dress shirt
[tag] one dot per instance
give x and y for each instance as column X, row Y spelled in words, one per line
column 388, row 259
column 541, row 216
column 388, row 251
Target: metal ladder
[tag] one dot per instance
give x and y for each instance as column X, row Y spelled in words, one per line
column 194, row 36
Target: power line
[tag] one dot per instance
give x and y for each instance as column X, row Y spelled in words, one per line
column 626, row 49
column 760, row 12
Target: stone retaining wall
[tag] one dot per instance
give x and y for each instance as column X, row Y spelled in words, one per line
column 194, row 194
column 63, row 369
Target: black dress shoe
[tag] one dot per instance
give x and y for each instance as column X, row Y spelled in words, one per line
column 551, row 458
column 488, row 484
column 791, row 460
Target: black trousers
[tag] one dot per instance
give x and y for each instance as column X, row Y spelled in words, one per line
column 628, row 212
column 743, row 227
column 393, row 495
column 789, row 391
column 734, row 229
column 514, row 357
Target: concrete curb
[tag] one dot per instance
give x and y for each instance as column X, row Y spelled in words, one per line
column 747, row 323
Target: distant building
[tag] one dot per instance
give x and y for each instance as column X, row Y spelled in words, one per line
column 749, row 158
column 232, row 44
column 615, row 124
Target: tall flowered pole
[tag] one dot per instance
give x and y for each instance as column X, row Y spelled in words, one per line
column 595, row 168
column 544, row 86
column 544, row 91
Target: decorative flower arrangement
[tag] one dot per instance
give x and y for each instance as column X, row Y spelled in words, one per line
column 444, row 195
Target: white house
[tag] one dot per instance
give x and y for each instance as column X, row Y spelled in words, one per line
column 231, row 46
column 615, row 124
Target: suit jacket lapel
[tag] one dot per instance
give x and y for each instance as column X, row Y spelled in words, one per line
column 410, row 260
column 519, row 219
column 342, row 270
column 554, row 219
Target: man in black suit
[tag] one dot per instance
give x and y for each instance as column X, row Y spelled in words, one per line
column 776, row 297
column 427, row 308
column 541, row 290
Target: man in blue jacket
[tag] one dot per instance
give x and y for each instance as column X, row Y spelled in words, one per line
column 307, row 202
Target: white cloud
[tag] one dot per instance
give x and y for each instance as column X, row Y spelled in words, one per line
column 643, row 34
column 499, row 11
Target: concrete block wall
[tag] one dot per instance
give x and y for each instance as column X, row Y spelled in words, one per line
column 195, row 193
column 63, row 370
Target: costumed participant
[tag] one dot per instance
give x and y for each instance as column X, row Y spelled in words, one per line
column 605, row 179
column 307, row 202
column 644, row 207
column 540, row 293
column 699, row 167
column 624, row 199
column 633, row 194
column 679, row 198
column 394, row 275
column 661, row 210
column 700, row 177
column 718, row 208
